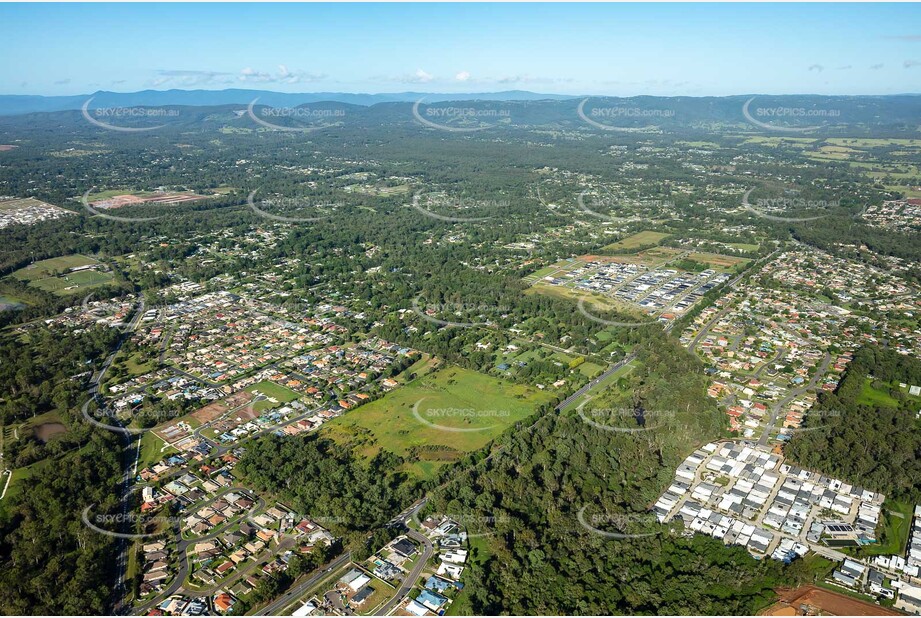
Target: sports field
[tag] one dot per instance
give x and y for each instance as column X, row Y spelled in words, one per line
column 52, row 275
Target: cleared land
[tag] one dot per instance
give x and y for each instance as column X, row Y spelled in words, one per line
column 717, row 261
column 640, row 239
column 458, row 411
column 281, row 394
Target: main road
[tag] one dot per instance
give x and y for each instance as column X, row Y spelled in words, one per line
column 128, row 461
column 596, row 381
column 775, row 410
column 278, row 605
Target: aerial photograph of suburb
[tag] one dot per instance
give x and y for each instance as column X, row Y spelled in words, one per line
column 460, row 309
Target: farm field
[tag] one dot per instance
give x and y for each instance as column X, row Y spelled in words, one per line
column 458, row 411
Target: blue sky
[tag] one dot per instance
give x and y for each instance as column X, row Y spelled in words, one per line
column 616, row 49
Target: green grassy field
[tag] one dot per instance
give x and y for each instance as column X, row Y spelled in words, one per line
column 282, row 394
column 47, row 268
column 640, row 239
column 51, row 275
column 744, row 246
column 870, row 396
column 720, row 263
column 894, row 530
column 151, row 452
column 458, row 411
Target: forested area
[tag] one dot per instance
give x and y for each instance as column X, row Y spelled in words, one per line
column 876, row 445
column 542, row 560
column 322, row 479
column 50, row 562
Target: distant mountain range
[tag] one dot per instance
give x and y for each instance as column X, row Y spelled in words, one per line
column 11, row 104
column 513, row 109
column 26, row 104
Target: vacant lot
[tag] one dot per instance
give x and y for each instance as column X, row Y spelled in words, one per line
column 437, row 418
column 718, row 262
column 653, row 258
column 645, row 238
column 216, row 408
column 281, row 394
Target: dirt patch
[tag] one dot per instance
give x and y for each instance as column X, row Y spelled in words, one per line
column 216, row 408
column 46, row 431
column 715, row 259
column 810, row 600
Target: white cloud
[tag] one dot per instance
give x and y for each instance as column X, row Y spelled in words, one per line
column 462, row 76
column 422, row 77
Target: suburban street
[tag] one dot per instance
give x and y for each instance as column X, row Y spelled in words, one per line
column 275, row 607
column 410, row 580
